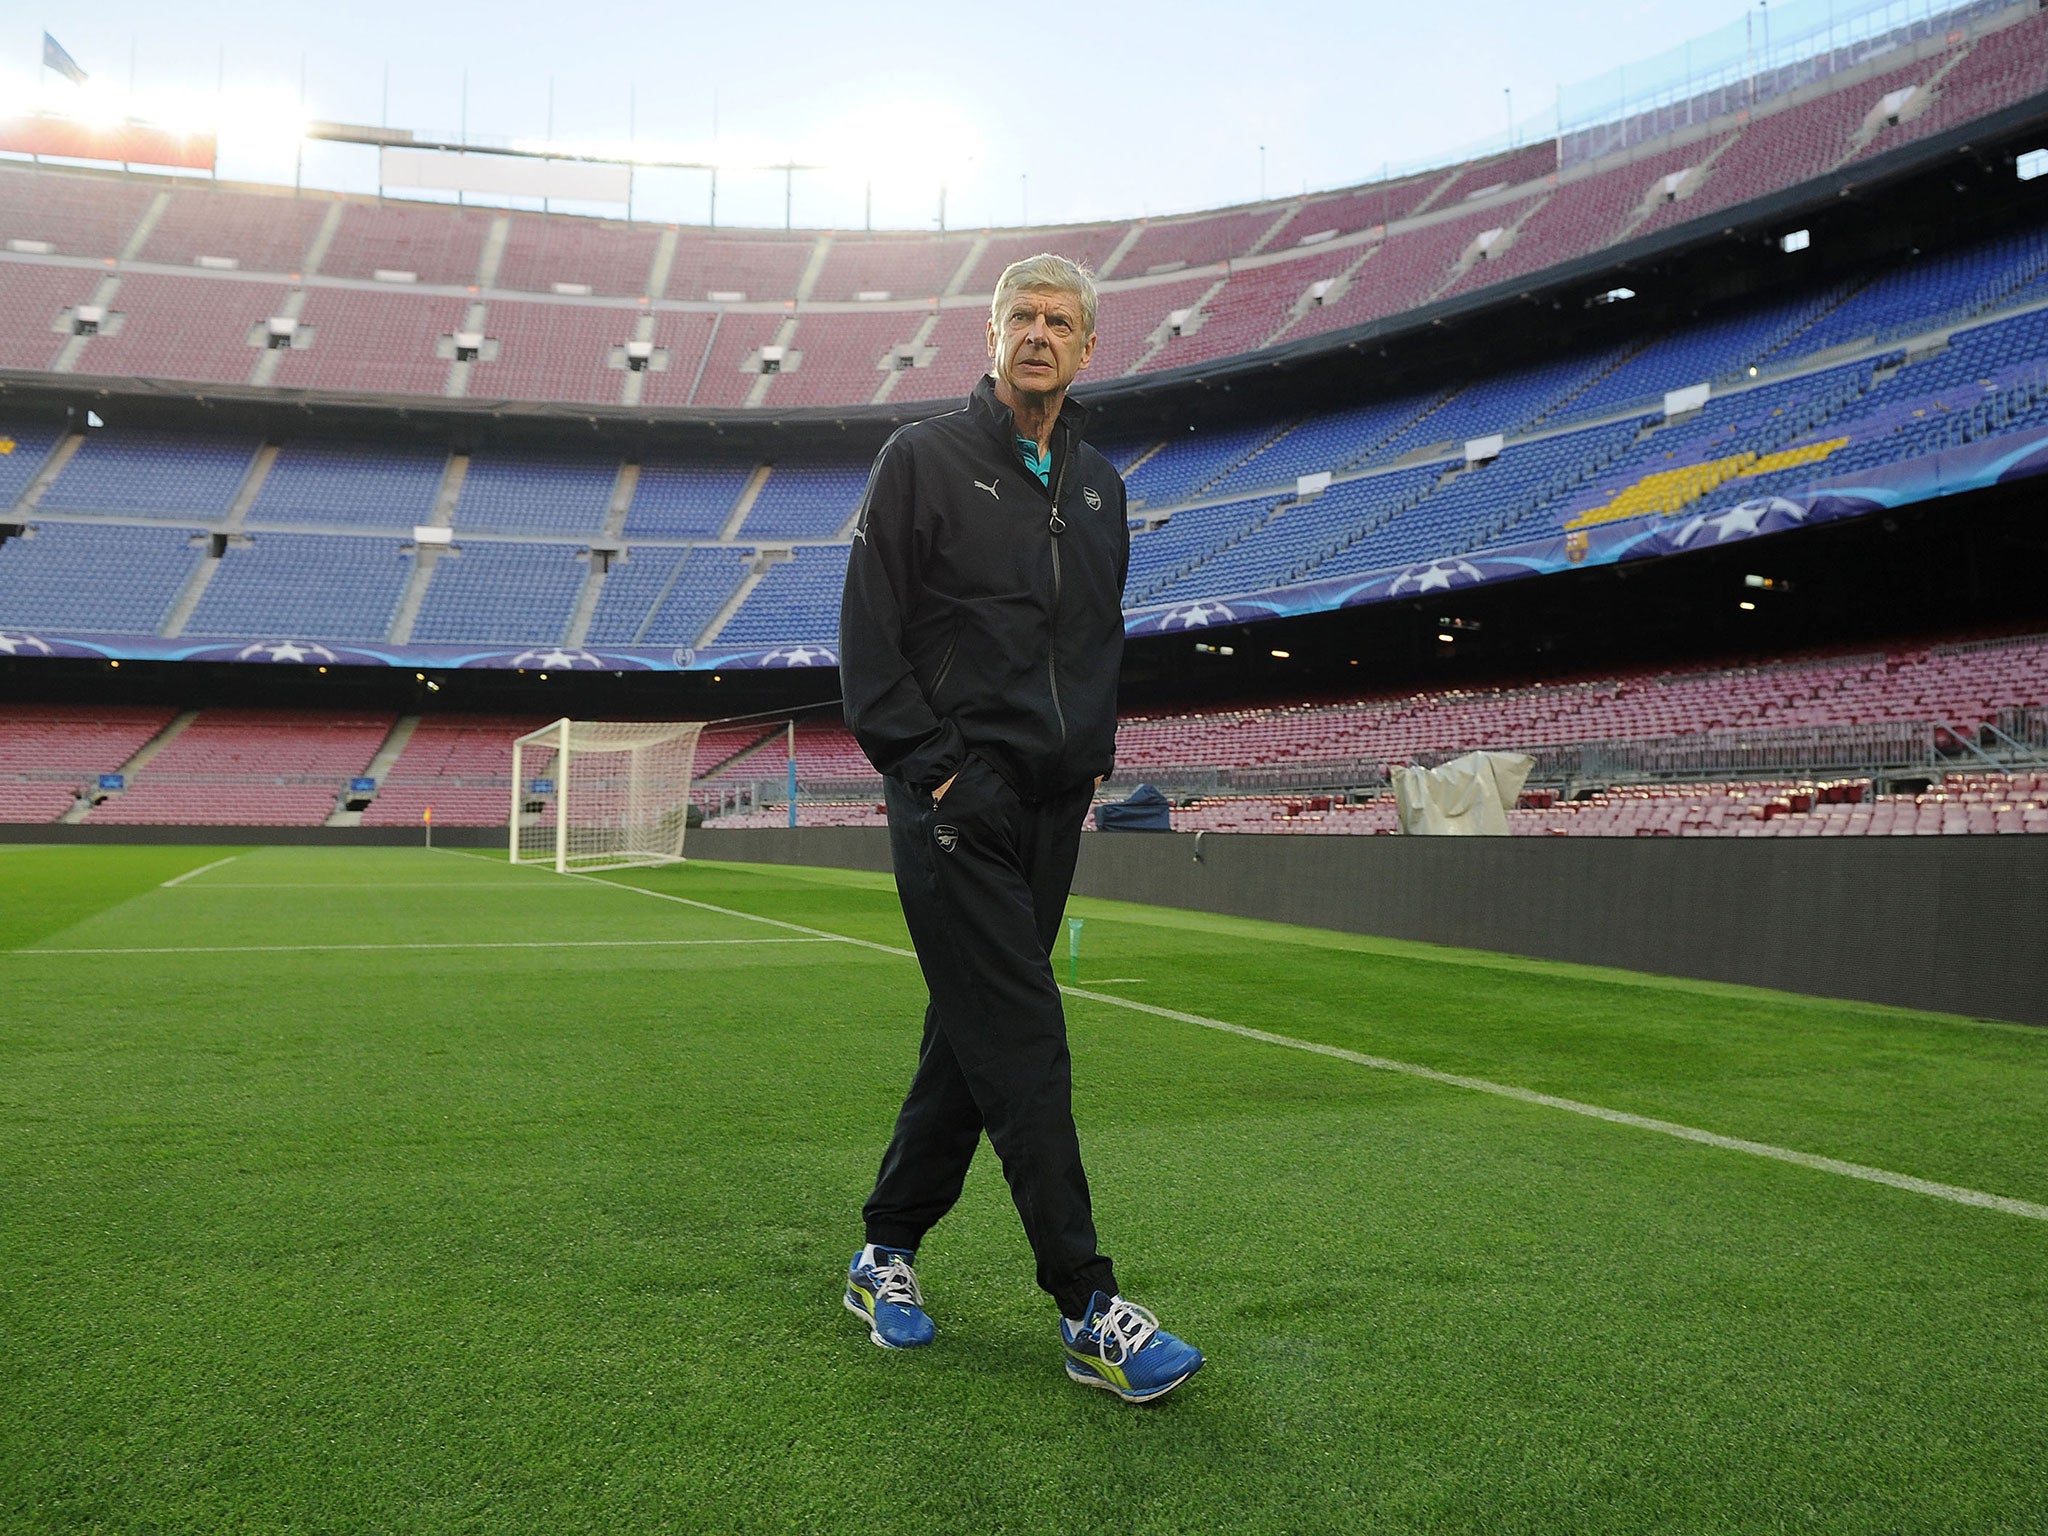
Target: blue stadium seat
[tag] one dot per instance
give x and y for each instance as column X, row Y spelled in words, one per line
column 94, row 578
column 665, row 595
column 350, row 484
column 505, row 594
column 806, row 501
column 152, row 474
column 304, row 586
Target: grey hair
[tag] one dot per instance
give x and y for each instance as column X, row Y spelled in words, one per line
column 1045, row 271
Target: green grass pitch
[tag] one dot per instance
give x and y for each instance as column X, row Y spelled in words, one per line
column 529, row 1212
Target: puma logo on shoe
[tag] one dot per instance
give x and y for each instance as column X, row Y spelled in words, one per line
column 948, row 838
column 990, row 487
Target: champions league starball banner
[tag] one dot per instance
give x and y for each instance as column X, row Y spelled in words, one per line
column 1994, row 461
column 297, row 651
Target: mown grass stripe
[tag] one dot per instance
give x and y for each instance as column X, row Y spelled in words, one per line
column 1954, row 1193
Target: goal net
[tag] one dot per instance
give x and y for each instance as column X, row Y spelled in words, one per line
column 598, row 794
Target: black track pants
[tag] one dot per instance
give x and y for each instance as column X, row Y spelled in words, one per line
column 984, row 878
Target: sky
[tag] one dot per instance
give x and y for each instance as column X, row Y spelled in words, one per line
column 1040, row 115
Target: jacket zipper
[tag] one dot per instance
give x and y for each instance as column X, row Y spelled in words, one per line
column 1055, row 526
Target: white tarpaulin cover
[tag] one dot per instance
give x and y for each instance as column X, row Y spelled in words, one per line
column 1467, row 797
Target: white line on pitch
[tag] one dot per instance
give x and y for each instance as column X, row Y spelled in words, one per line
column 281, row 949
column 202, row 869
column 362, row 885
column 1952, row 1192
column 1955, row 1192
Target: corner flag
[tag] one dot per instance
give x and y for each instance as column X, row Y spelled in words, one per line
column 54, row 57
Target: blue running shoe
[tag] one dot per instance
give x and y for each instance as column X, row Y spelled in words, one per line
column 1122, row 1349
column 881, row 1287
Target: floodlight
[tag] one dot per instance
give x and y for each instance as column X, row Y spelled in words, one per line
column 1798, row 240
column 2032, row 164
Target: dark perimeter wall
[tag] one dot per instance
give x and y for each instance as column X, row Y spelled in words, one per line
column 1954, row 924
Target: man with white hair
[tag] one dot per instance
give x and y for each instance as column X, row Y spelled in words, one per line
column 979, row 642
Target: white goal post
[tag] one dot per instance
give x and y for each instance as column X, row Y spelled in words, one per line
column 600, row 794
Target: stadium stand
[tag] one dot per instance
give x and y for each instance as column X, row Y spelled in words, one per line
column 727, row 367
column 349, row 484
column 50, row 752
column 1995, row 69
column 261, row 766
column 1961, row 686
column 552, row 352
column 1126, row 329
column 289, row 584
column 685, row 501
column 23, row 449
column 513, row 593
column 898, row 266
column 1406, row 270
column 840, row 357
column 756, row 266
column 1868, row 368
column 1168, row 245
column 959, row 344
column 459, row 766
column 433, row 242
column 1362, row 208
column 1091, row 245
column 145, row 473
column 72, row 213
column 1255, row 304
column 1496, row 173
column 1422, row 241
column 1585, row 214
column 1168, row 476
column 508, row 492
column 1338, row 438
column 796, row 603
column 1992, row 804
column 805, row 501
column 1998, row 804
column 259, row 232
column 33, row 302
column 604, row 256
column 1792, row 145
column 235, row 767
column 94, row 579
column 364, row 342
column 205, row 329
column 1586, row 443
column 707, row 581
column 681, row 342
column 664, row 595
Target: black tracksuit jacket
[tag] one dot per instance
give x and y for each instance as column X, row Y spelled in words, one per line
column 983, row 612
